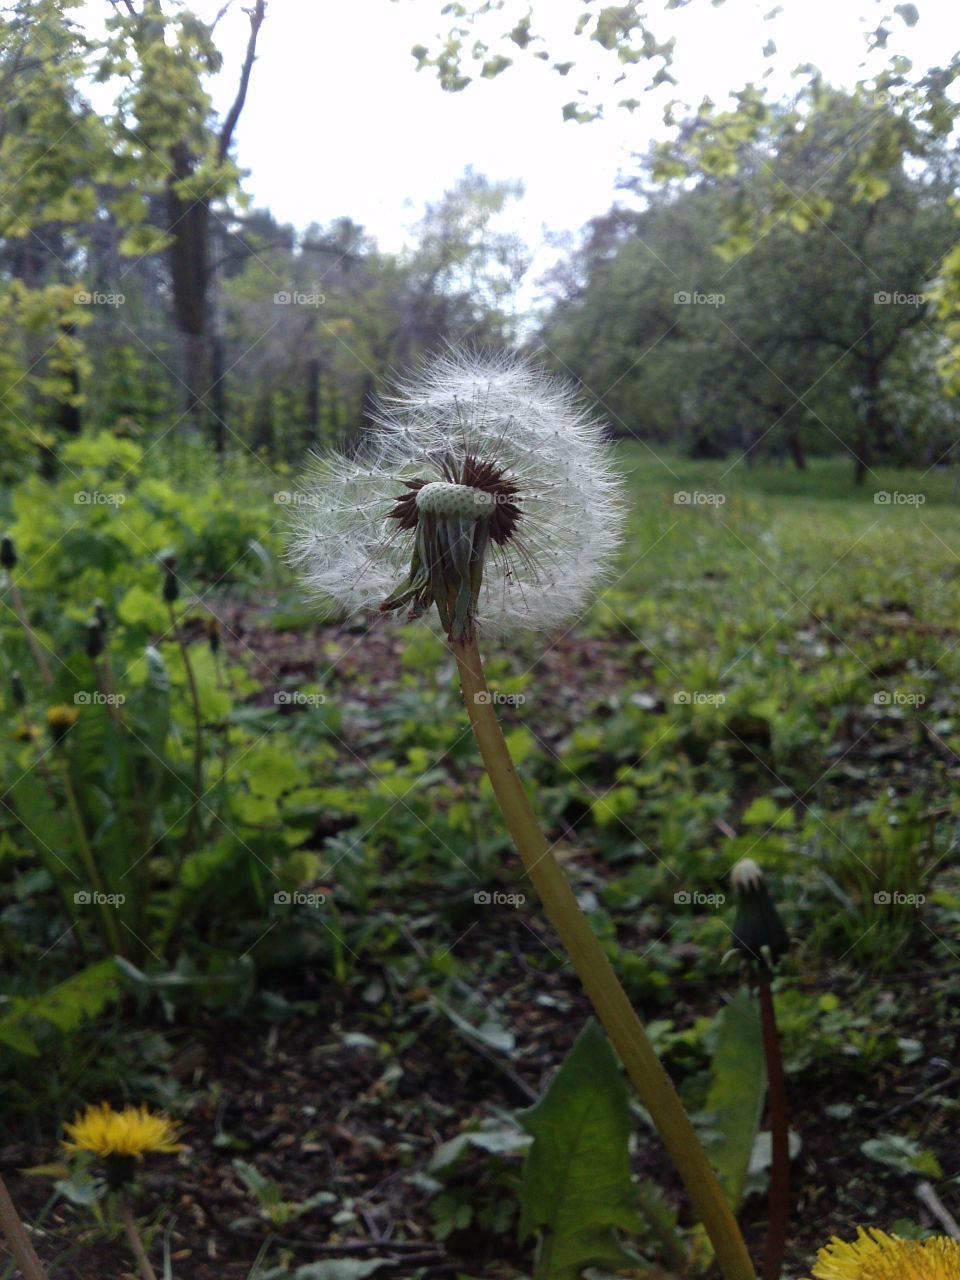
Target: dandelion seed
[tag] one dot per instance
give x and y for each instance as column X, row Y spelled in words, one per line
column 487, row 490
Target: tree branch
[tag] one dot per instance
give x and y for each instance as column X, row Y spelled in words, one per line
column 257, row 15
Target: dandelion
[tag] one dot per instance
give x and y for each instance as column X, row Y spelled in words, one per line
column 486, row 490
column 876, row 1256
column 489, row 493
column 134, row 1131
column 120, row 1139
column 60, row 720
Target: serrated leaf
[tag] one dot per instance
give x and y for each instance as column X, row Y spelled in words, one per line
column 735, row 1100
column 576, row 1189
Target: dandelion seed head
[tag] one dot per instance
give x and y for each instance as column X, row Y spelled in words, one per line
column 488, row 439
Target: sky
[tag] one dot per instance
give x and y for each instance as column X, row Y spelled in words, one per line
column 338, row 122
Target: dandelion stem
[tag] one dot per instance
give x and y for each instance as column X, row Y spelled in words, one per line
column 35, row 648
column 779, row 1200
column 86, row 854
column 622, row 1025
column 187, row 840
column 17, row 1238
column 133, row 1239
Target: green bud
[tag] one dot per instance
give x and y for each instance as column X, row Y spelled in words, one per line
column 8, row 552
column 171, row 588
column 17, row 690
column 100, row 613
column 213, row 634
column 758, row 931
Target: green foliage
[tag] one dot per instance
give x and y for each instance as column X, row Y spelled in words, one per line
column 735, row 1100
column 576, row 1190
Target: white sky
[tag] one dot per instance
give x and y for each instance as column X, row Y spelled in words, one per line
column 338, row 122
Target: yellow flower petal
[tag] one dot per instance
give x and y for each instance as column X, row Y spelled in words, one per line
column 876, row 1256
column 134, row 1131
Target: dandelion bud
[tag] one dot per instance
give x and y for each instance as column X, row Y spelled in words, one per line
column 487, row 492
column 8, row 552
column 60, row 720
column 758, row 931
column 100, row 613
column 94, row 639
column 171, row 587
column 18, row 692
column 213, row 634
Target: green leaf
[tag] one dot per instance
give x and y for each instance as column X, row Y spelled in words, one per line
column 83, row 996
column 576, row 1187
column 736, row 1096
column 902, row 1154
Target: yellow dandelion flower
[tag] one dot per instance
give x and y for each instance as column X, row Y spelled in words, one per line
column 876, row 1256
column 133, row 1133
column 60, row 719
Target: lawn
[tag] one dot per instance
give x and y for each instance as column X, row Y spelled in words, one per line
column 334, row 975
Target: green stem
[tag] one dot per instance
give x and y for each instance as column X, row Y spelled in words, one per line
column 17, row 1238
column 187, row 842
column 779, row 1201
column 38, row 655
column 626, row 1032
column 86, row 853
column 133, row 1238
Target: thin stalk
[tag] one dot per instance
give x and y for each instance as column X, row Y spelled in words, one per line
column 133, row 1239
column 654, row 1087
column 779, row 1200
column 107, row 685
column 186, row 842
column 35, row 648
column 86, row 853
column 17, row 1238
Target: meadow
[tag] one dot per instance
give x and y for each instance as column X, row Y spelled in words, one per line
column 330, row 969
